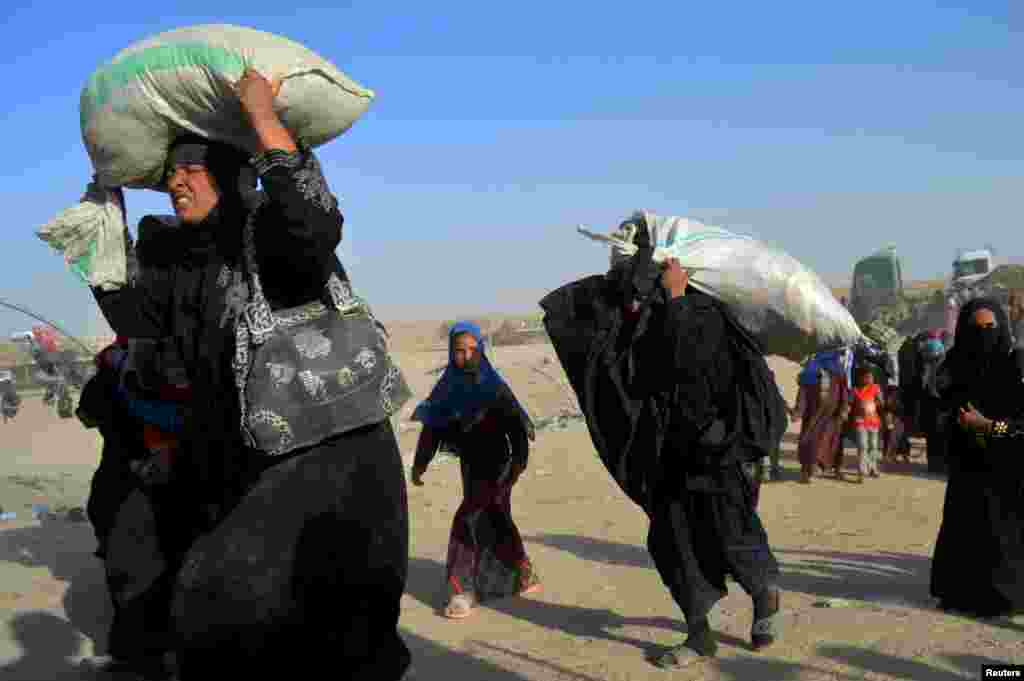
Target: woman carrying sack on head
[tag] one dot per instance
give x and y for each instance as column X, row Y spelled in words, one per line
column 287, row 445
column 473, row 410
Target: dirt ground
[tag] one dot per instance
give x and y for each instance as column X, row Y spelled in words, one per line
column 862, row 550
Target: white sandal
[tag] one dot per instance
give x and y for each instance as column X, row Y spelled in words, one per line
column 459, row 607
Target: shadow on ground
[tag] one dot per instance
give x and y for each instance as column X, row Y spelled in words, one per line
column 873, row 662
column 435, row 661
column 882, row 577
column 432, row 662
column 593, row 623
column 48, row 644
column 860, row 662
column 597, row 550
column 728, row 669
column 66, row 551
column 898, row 578
column 915, row 468
column 744, row 667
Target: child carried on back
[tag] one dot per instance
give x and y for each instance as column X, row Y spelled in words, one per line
column 156, row 400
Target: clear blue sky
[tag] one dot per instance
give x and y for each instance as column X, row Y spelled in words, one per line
column 825, row 128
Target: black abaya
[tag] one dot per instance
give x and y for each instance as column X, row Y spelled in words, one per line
column 978, row 564
column 660, row 396
column 309, row 567
column 337, row 510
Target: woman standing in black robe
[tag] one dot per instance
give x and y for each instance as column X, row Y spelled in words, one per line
column 303, row 557
column 978, row 565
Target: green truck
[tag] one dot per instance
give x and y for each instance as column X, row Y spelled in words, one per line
column 877, row 283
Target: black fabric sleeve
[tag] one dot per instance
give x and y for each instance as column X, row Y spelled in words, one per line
column 518, row 438
column 1009, row 430
column 426, row 447
column 138, row 310
column 300, row 225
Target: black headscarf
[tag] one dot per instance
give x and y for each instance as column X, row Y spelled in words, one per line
column 229, row 166
column 979, row 365
column 976, row 348
column 636, row 279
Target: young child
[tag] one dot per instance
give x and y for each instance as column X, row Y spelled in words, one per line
column 866, row 410
column 155, row 401
column 898, row 445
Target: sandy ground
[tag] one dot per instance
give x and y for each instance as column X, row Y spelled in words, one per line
column 863, row 549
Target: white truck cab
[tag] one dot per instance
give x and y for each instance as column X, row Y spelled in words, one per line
column 972, row 266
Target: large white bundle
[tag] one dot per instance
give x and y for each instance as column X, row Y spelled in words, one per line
column 782, row 302
column 133, row 108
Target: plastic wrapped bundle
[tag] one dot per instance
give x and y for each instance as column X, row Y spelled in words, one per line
column 780, row 301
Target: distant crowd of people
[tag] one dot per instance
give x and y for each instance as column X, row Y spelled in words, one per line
column 965, row 392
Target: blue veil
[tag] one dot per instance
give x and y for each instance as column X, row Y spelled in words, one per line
column 838, row 362
column 456, row 398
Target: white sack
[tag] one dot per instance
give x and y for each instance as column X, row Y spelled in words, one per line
column 782, row 302
column 135, row 106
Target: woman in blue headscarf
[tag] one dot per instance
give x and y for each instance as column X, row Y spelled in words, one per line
column 473, row 412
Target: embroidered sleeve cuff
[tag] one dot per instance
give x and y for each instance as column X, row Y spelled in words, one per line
column 300, row 176
column 276, row 158
column 1006, row 429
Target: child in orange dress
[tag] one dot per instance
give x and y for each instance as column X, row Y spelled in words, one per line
column 866, row 410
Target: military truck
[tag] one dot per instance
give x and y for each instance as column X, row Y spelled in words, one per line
column 877, row 283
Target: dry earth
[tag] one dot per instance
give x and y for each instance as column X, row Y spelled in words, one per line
column 863, row 549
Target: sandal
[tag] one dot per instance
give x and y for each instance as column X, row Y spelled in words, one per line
column 459, row 607
column 679, row 657
column 529, row 582
column 765, row 630
column 695, row 649
column 532, row 588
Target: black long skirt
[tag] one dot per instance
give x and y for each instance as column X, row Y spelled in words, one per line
column 704, row 528
column 307, row 571
column 978, row 564
column 142, row 535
